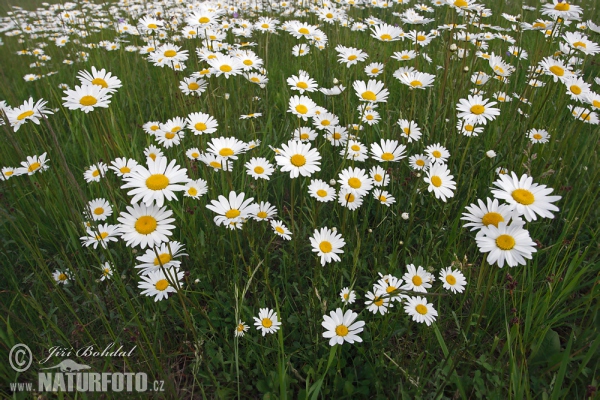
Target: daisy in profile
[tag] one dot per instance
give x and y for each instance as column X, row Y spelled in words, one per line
column 227, row 148
column 298, row 158
column 527, row 198
column 259, row 167
column 265, row 211
column 217, row 163
column 95, row 172
column 281, row 230
column 386, row 33
column 232, row 210
column 7, row 172
column 86, row 98
column 348, row 296
column 555, row 68
column 374, row 69
column 321, row 191
column 420, row 310
column 484, row 214
column 350, row 55
column 304, row 134
column 195, row 188
column 61, row 277
column 511, row 244
column 410, row 130
column 145, row 226
column 417, row 279
column 160, row 283
column 123, row 166
column 302, row 83
column 240, row 329
column 100, row 78
column 102, row 234
column 267, row 321
column 453, row 280
column 380, row 176
column 107, row 271
column 27, row 112
column 33, row 165
column 327, row 244
column 440, row 182
column 340, row 327
column 417, row 80
column 373, row 91
column 419, row 162
column 404, row 55
column 157, row 182
column 437, row 153
column 378, row 302
column 384, row 197
column 538, row 136
column 477, row 110
column 562, row 9
column 99, row 209
column 302, row 106
column 163, row 256
column 388, row 150
column 201, row 123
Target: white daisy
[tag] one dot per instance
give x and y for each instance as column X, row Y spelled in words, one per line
column 340, row 327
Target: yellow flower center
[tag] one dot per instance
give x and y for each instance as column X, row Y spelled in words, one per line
column 596, row 103
column 266, row 322
column 262, row 214
column 329, row 15
column 233, row 213
column 145, row 224
column 302, row 109
column 556, row 70
column 421, row 309
column 215, row 164
column 322, row 193
column 325, row 246
column 416, row 84
column 161, row 285
column 369, row 117
column 537, row 136
column 386, row 37
column 247, row 62
column 378, row 301
column 341, row 330
column 24, row 115
column 405, row 57
column 354, row 183
column 34, row 166
column 523, row 196
column 579, row 44
column 62, row 277
column 100, row 82
column 162, row 259
column 505, row 242
column 254, row 79
column 450, row 279
column 103, row 235
column 157, row 182
column 436, row 181
column 382, row 198
column 169, row 135
column 421, row 38
column 303, row 31
column 125, row 170
column 193, row 86
column 417, row 281
column 355, row 147
column 368, row 95
column 420, row 162
column 226, row 152
column 562, row 6
column 325, row 122
column 192, row 191
column 225, row 68
column 265, row 26
column 352, row 57
column 378, row 177
column 387, row 156
column 8, row 173
column 204, row 20
column 259, row 169
column 302, row 85
column 99, row 211
column 375, row 71
column 298, row 160
column 88, row 101
column 280, row 230
column 493, row 218
column 575, row 89
column 170, row 53
column 477, row 109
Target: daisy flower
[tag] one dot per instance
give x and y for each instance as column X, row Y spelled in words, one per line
column 216, row 162
column 123, row 166
column 340, row 327
column 95, row 172
column 350, row 55
column 304, row 134
column 420, row 311
column 7, row 172
column 374, row 69
column 380, row 176
column 281, row 230
column 349, row 200
column 302, row 83
column 477, row 110
column 325, row 120
column 227, row 148
column 468, row 129
column 102, row 234
column 61, row 277
column 100, row 78
column 302, row 106
column 384, row 197
column 538, row 135
column 259, row 167
column 577, row 88
column 27, row 112
column 107, row 271
column 583, row 114
column 162, row 256
column 419, row 162
column 151, row 127
column 453, row 280
column 440, row 181
column 511, row 244
column 240, row 329
column 265, row 211
column 527, row 198
column 348, row 296
column 410, row 130
column 386, row 33
column 334, row 91
column 98, row 209
column 389, row 284
column 355, row 180
column 417, row 279
column 86, row 98
column 298, row 158
column 555, row 68
column 193, row 153
column 195, row 188
column 378, row 302
column 192, row 86
column 145, row 226
column 267, row 321
column 232, row 210
column 321, row 191
column 404, row 55
column 201, row 123
column 484, row 214
column 373, row 91
column 327, row 244
column 337, row 135
column 159, row 284
column 417, row 80
column 562, row 9
column 371, row 117
column 226, row 65
column 33, row 165
column 248, row 116
column 300, row 50
column 437, row 153
column 389, row 150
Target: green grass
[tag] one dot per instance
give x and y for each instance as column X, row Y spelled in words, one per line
column 524, row 332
